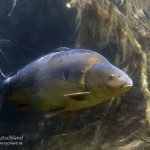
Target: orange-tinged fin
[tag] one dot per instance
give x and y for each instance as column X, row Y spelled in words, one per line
column 23, row 107
column 78, row 96
column 53, row 113
column 67, row 113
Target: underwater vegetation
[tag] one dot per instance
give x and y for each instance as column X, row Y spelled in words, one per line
column 118, row 29
column 121, row 24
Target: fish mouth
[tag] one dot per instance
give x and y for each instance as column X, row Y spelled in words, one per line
column 125, row 87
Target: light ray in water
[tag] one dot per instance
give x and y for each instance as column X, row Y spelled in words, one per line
column 13, row 6
column 5, row 57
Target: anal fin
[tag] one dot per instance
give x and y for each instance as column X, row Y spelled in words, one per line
column 67, row 113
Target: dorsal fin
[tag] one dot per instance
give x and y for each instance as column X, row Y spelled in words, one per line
column 61, row 49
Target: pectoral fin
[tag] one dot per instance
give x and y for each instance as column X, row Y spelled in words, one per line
column 53, row 113
column 78, row 96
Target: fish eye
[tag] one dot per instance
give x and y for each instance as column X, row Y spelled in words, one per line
column 111, row 77
column 118, row 75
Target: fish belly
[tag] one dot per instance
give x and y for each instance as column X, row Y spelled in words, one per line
column 50, row 95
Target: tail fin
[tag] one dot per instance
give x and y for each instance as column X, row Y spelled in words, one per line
column 2, row 78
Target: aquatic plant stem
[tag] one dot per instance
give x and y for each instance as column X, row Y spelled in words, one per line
column 144, row 84
column 98, row 130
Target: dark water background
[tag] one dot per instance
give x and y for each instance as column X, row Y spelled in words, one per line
column 35, row 28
